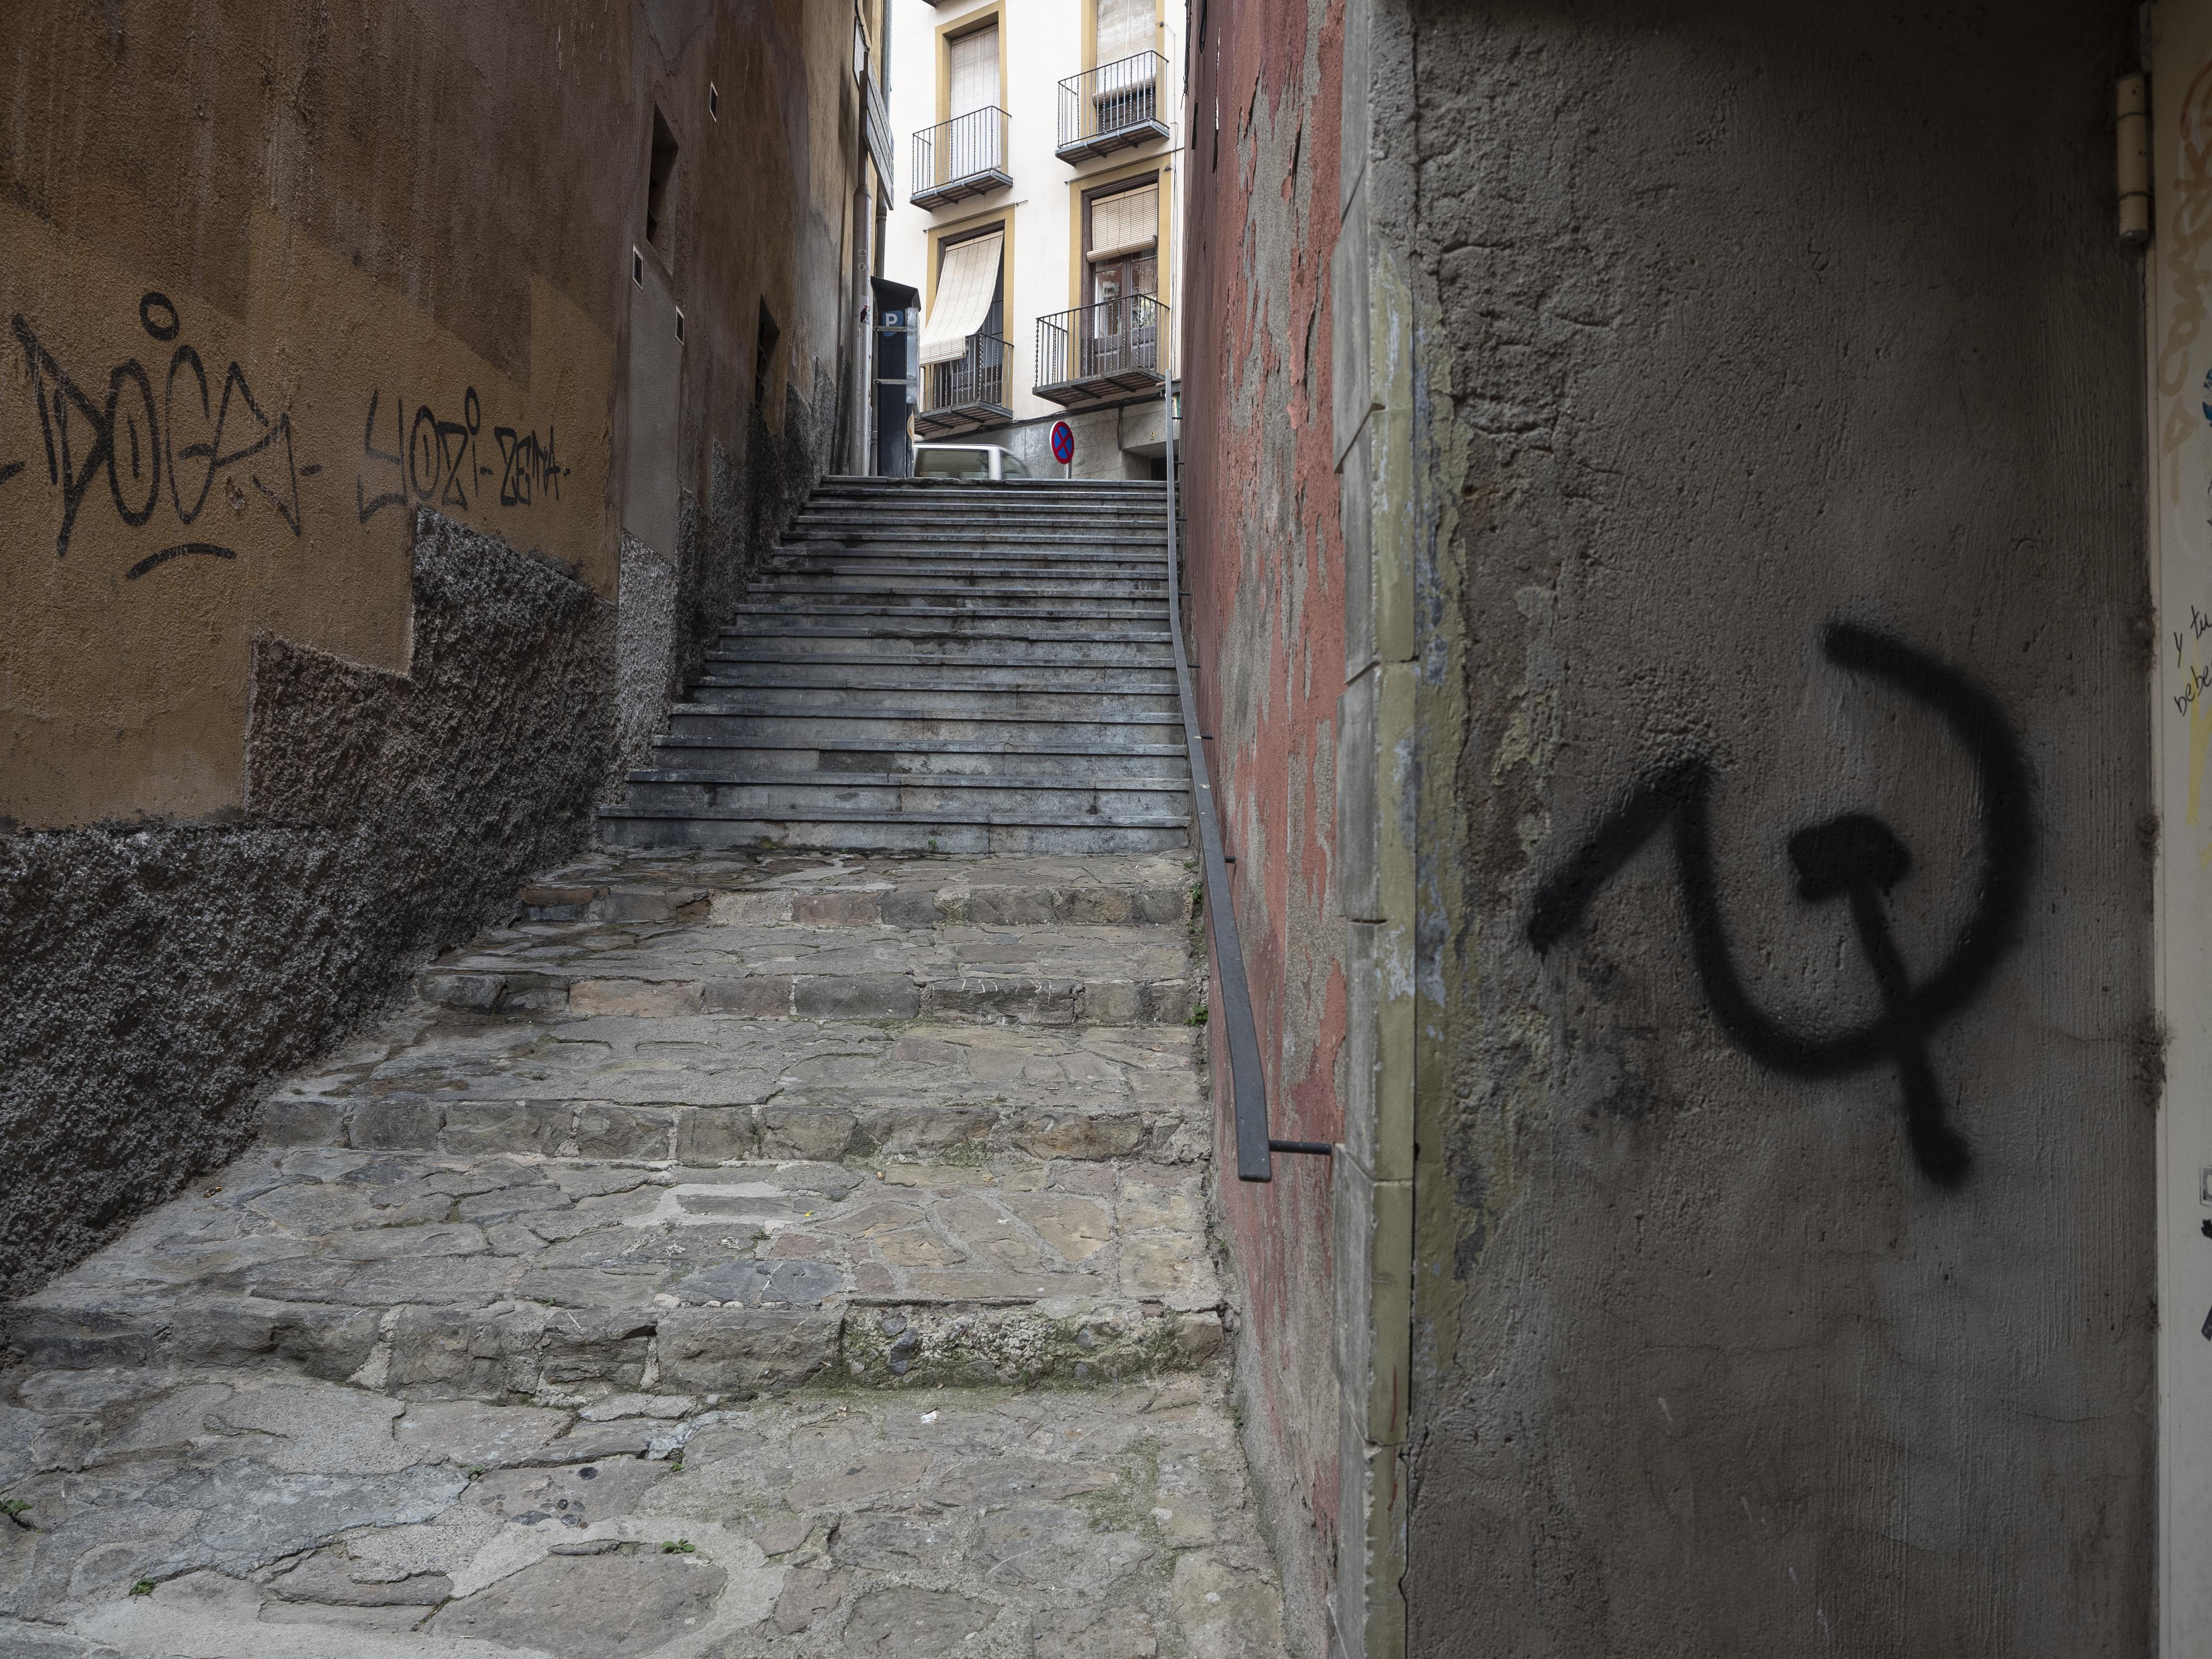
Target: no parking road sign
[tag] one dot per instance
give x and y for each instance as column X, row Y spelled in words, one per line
column 1063, row 443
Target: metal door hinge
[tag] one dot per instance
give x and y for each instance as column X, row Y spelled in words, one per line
column 2132, row 161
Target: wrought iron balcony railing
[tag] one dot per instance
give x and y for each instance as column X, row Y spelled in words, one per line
column 1113, row 107
column 967, row 393
column 959, row 158
column 1111, row 352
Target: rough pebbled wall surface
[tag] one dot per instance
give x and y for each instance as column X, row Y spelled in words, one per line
column 1741, row 321
column 1264, row 563
column 158, row 974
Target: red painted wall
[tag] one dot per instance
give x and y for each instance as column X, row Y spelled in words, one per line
column 1265, row 569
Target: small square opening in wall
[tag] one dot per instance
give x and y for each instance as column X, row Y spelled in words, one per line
column 679, row 322
column 713, row 101
column 637, row 267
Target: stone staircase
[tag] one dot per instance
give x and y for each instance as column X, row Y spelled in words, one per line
column 744, row 1250
column 933, row 665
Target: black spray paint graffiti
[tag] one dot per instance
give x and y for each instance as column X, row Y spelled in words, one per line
column 442, row 463
column 135, row 442
column 1855, row 858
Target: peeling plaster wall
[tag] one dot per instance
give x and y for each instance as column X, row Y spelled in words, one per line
column 1265, row 569
column 1739, row 322
column 316, row 448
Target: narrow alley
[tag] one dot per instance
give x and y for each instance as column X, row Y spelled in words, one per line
column 1105, row 830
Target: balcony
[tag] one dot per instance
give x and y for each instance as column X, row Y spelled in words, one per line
column 960, row 158
column 1113, row 107
column 967, row 394
column 1094, row 356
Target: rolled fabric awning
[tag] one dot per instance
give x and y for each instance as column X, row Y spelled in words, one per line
column 1125, row 224
column 965, row 282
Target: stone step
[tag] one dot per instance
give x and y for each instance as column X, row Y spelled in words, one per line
column 561, row 1280
column 777, row 795
column 940, row 601
column 988, row 584
column 678, row 753
column 899, row 724
column 699, row 1088
column 981, row 542
column 837, row 668
column 839, row 892
column 1005, row 496
column 1076, row 505
column 1141, row 554
column 950, row 695
column 775, row 637
column 1050, row 974
column 1023, row 623
column 864, row 554
column 914, row 832
column 255, row 1512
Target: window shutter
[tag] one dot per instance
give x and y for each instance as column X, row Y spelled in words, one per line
column 1125, row 224
column 976, row 71
column 1126, row 27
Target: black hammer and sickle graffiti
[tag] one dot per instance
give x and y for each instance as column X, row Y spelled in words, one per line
column 1855, row 858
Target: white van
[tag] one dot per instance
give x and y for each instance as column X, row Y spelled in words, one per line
column 977, row 461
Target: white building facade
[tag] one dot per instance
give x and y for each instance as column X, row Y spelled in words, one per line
column 1036, row 216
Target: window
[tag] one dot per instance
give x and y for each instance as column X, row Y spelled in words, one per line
column 963, row 355
column 656, row 189
column 1122, row 254
column 1123, row 242
column 764, row 357
column 951, row 461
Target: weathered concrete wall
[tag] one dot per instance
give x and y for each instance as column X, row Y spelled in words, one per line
column 1266, row 572
column 1739, row 322
column 277, row 284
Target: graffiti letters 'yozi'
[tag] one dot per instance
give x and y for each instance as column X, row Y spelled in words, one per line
column 1855, row 858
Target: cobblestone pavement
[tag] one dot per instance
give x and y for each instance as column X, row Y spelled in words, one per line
column 733, row 1255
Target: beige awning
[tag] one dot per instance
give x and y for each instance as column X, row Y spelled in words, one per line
column 965, row 282
column 1126, row 224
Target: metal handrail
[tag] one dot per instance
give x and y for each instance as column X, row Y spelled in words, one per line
column 1119, row 97
column 1117, row 336
column 1247, row 1084
column 966, row 147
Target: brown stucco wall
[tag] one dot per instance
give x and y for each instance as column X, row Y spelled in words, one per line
column 1736, row 323
column 315, row 451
